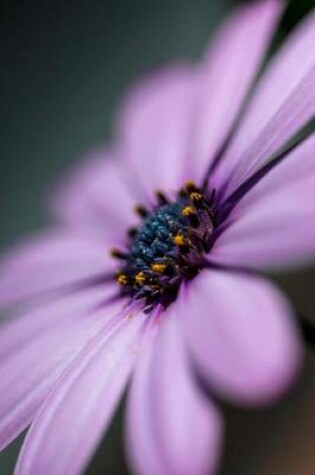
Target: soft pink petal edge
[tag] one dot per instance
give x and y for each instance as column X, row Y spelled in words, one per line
column 282, row 103
column 171, row 427
column 98, row 197
column 272, row 227
column 83, row 403
column 226, row 74
column 242, row 334
column 52, row 261
column 37, row 347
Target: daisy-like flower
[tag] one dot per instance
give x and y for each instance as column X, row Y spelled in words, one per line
column 152, row 272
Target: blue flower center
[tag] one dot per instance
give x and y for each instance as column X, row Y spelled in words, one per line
column 168, row 247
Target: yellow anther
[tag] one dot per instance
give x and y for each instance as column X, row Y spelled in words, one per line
column 140, row 277
column 122, row 279
column 188, row 211
column 179, row 239
column 158, row 267
column 195, row 196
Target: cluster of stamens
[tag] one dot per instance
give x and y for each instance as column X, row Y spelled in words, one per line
column 168, row 247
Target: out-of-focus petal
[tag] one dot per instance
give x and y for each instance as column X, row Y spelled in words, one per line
column 172, row 428
column 241, row 333
column 228, row 70
column 51, row 261
column 72, row 420
column 283, row 102
column 98, row 197
column 32, row 361
column 154, row 124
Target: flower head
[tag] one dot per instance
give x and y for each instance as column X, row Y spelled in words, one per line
column 151, row 270
column 168, row 248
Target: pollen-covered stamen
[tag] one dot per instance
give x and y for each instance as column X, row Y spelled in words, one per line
column 122, row 279
column 168, row 247
column 158, row 267
column 179, row 239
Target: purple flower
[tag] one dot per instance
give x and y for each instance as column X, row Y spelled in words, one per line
column 222, row 193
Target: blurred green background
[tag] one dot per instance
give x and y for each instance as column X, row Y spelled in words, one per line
column 64, row 65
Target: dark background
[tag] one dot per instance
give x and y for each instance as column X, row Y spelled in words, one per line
column 64, row 65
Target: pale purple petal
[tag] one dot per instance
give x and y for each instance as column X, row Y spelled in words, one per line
column 273, row 226
column 277, row 233
column 228, row 70
column 98, row 197
column 51, row 261
column 72, row 420
column 172, row 428
column 283, row 102
column 31, row 363
column 187, row 426
column 297, row 166
column 241, row 332
column 28, row 322
column 142, row 451
column 154, row 125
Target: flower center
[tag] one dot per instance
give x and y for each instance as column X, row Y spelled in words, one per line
column 168, row 247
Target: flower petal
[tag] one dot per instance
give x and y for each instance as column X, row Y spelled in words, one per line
column 31, row 362
column 154, row 125
column 241, row 333
column 49, row 262
column 228, row 70
column 297, row 166
column 273, row 226
column 98, row 197
column 187, row 426
column 72, row 420
column 171, row 427
column 141, row 449
column 283, row 103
